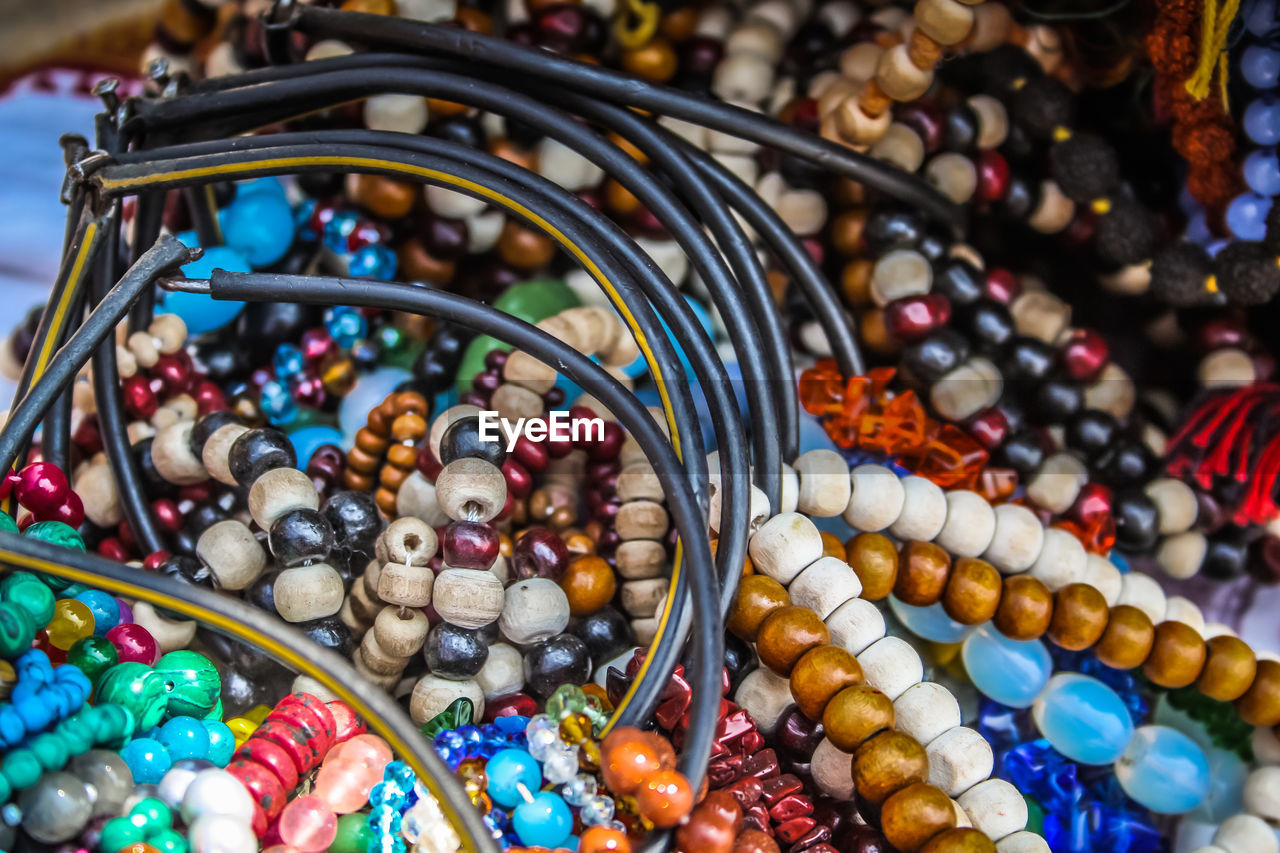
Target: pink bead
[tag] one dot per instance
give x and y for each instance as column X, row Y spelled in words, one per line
column 345, row 788
column 70, row 513
column 370, row 750
column 914, row 317
column 307, row 824
column 1085, row 355
column 134, row 643
column 1002, row 285
column 42, row 488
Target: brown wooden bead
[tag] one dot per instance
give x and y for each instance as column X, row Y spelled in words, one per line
column 402, row 456
column 474, row 20
column 386, row 197
column 855, row 282
column 392, row 477
column 922, row 574
column 973, row 591
column 874, row 560
column 855, row 714
column 409, row 426
column 407, row 402
column 385, row 499
column 846, row 231
column 887, row 763
column 758, row 596
column 875, row 332
column 1026, row 607
column 962, row 839
column 786, row 634
column 1177, row 655
column 914, row 815
column 505, row 149
column 358, row 460
column 1079, row 616
column 1128, row 638
column 523, row 248
column 420, row 265
column 589, row 584
column 655, row 61
column 820, row 674
column 370, row 442
column 679, row 25
column 1229, row 668
column 1260, row 705
column 832, row 546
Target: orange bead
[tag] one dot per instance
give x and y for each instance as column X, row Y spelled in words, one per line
column 626, row 760
column 821, row 673
column 874, row 560
column 664, row 798
column 602, row 839
column 758, row 596
column 786, row 634
column 832, row 546
column 589, row 584
column 662, row 748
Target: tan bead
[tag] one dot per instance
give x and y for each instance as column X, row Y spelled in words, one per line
column 899, row 77
column 945, row 21
column 308, row 592
column 1177, row 655
column 641, row 520
column 820, row 674
column 410, row 541
column 1080, row 616
column 992, row 23
column 432, row 695
column 172, row 456
column 401, row 631
column 887, row 763
column 855, row 714
column 232, row 553
column 973, row 591
column 1229, row 669
column 468, row 598
column 922, row 574
column 656, row 61
column 874, row 559
column 785, row 545
column 1054, row 212
column 824, row 483
column 640, row 558
column 471, row 489
column 1260, row 705
column 825, row 585
column 405, row 586
column 1128, row 638
column 993, row 121
column 900, row 146
column 96, row 486
column 856, row 126
column 914, row 815
column 1026, row 607
column 644, row 598
column 786, row 633
column 280, row 491
column 378, row 660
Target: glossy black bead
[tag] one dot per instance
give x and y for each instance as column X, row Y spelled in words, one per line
column 461, row 129
column 989, row 326
column 960, row 281
column 432, row 373
column 262, row 593
column 321, row 184
column 1127, row 463
column 263, row 326
column 300, row 537
column 206, row 426
column 329, row 633
column 886, row 230
column 1227, row 556
column 462, row 441
column 454, row 653
column 559, row 660
column 356, row 521
column 157, row 486
column 739, row 660
column 187, row 570
column 606, row 634
column 1137, row 520
column 934, row 245
column 1023, row 451
column 935, row 356
column 1021, row 197
column 1092, row 432
column 959, row 129
column 220, row 360
column 1028, row 361
column 1054, row 401
column 258, row 451
column 203, row 516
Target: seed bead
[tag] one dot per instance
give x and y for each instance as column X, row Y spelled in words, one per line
column 973, row 591
column 820, row 674
column 1079, row 617
column 786, row 634
column 1177, row 655
column 874, row 559
column 1026, row 608
column 855, row 714
column 1229, row 668
column 1127, row 640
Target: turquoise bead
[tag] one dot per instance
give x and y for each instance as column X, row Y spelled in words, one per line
column 544, row 822
column 147, row 758
column 222, row 743
column 1083, row 719
column 184, row 737
column 509, row 770
column 1164, row 770
column 1012, row 672
column 931, row 623
column 308, row 439
column 105, row 610
column 259, row 225
column 201, row 312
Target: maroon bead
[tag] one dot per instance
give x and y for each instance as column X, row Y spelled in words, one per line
column 112, row 549
column 561, row 27
column 175, row 371
column 1264, row 365
column 747, row 791
column 817, row 836
column 922, row 117
column 814, row 247
column 733, row 726
column 519, row 480
column 531, row 454
column 125, row 532
column 487, row 381
column 1002, row 285
column 1220, row 332
column 87, row 437
column 701, row 56
column 757, row 817
column 781, row 786
column 510, row 705
column 797, row 735
column 42, row 488
column 153, row 560
column 167, row 515
column 790, row 807
column 859, row 838
column 495, row 360
column 1084, row 355
column 993, row 175
column 317, row 343
column 70, row 513
column 795, row 829
column 367, row 233
column 821, row 847
column 539, row 553
column 988, row 427
column 474, row 398
column 428, row 464
column 470, row 545
column 446, row 239
column 609, row 446
column 752, row 742
column 763, row 764
column 208, row 397
column 1091, row 504
column 554, row 398
column 139, row 400
column 914, row 317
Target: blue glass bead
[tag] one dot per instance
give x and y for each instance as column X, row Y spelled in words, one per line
column 260, row 226
column 1164, row 770
column 508, row 770
column 1247, row 216
column 103, row 606
column 514, row 724
column 377, row 262
column 1083, row 719
column 184, row 737
column 288, row 361
column 1262, row 171
column 201, row 312
column 222, row 743
column 148, row 760
column 1012, row 672
column 307, row 440
column 1260, row 66
column 932, row 622
column 277, row 402
column 272, row 186
column 1262, row 120
column 345, row 325
column 338, row 228
column 544, row 822
column 1260, row 18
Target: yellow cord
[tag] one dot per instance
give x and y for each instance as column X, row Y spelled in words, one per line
column 1215, row 25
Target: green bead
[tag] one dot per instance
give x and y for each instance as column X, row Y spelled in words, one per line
column 5, row 790
column 118, row 833
column 151, row 816
column 50, row 751
column 76, row 734
column 1035, row 815
column 531, row 301
column 459, row 713
column 21, row 768
column 33, row 597
column 568, row 699
column 7, row 524
column 136, row 687
column 171, row 841
column 191, row 682
column 113, row 725
column 353, row 835
column 93, row 655
column 56, row 533
column 17, row 630
column 74, row 589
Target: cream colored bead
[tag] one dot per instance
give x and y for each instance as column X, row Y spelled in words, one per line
column 143, row 349
column 954, row 175
column 308, row 592
column 170, row 634
column 945, row 21
column 853, row 124
column 1112, row 392
column 824, row 586
column 790, row 496
column 232, row 553
column 280, row 491
column 513, row 402
column 858, row 63
column 898, row 76
column 405, row 586
column 785, row 545
column 641, row 520
column 900, row 146
column 1209, row 848
column 758, row 36
column 468, row 598
column 396, row 113
column 639, row 482
column 743, row 77
column 1181, row 609
column 217, row 449
column 452, row 205
column 1266, row 746
column 1102, row 575
column 876, row 499
column 528, row 372
column 432, row 695
column 401, row 630
column 1226, row 368
column 832, row 770
column 1143, row 592
column 1262, row 793
column 562, row 165
column 96, row 487
column 433, row 11
column 378, row 660
column 1054, row 212
column 925, row 711
column 924, row 510
column 407, row 540
column 1062, row 560
column 995, row 807
column 764, row 696
column 970, row 524
column 1057, row 483
column 993, row 121
column 1181, row 556
column 417, row 498
column 1041, row 315
column 1217, row 629
column 503, row 671
column 1246, row 833
column 172, row 456
column 959, row 758
column 899, row 273
column 824, row 483
column 643, row 598
column 471, row 489
column 1175, row 502
column 758, row 508
column 168, row 333
column 640, row 558
column 307, row 684
column 891, row 665
column 1021, row 842
column 855, row 625
column 1017, row 541
column 967, row 389
column 533, row 610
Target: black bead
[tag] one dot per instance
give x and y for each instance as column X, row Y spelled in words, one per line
column 559, row 660
column 1137, row 520
column 299, row 537
column 220, row 360
column 989, row 325
column 321, row 184
column 522, row 134
column 454, row 653
column 1248, row 273
column 1054, row 401
column 739, row 660
column 206, row 426
column 1021, row 197
column 1042, row 105
column 1092, row 432
column 959, row 129
column 1085, row 167
column 462, row 440
column 934, row 245
column 1127, row 463
column 449, row 342
column 1028, row 361
column 960, row 281
column 432, row 372
column 460, row 129
column 202, row 517
column 187, row 570
column 258, row 451
column 329, row 633
column 1023, row 452
column 157, row 486
column 1179, row 275
column 886, row 230
column 1227, row 556
column 936, row 356
column 263, row 326
column 355, row 520
column 606, row 634
column 262, row 593
column 1126, row 234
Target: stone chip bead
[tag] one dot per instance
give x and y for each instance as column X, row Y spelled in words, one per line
column 887, row 763
column 820, row 674
column 1025, row 610
column 786, row 634
column 824, row 483
column 923, row 569
column 468, row 598
column 784, row 546
column 1017, row 540
column 758, row 596
column 914, row 815
column 973, row 591
column 1177, row 655
column 876, row 499
column 855, row 714
column 874, row 559
column 970, row 524
column 278, row 491
column 825, row 585
column 1229, row 668
column 232, row 553
column 1080, row 615
column 1260, row 704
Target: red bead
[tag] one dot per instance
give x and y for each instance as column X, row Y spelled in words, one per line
column 302, row 752
column 795, row 829
column 470, row 545
column 316, row 344
column 113, row 549
column 609, row 446
column 209, row 398
column 747, row 791
column 539, row 553
column 790, row 807
column 428, row 464
column 263, row 786
column 1093, row 502
column 167, row 514
column 533, row 455
column 153, row 560
column 1084, row 355
column 134, row 643
column 925, row 120
column 271, row 756
column 346, row 724
column 87, row 437
column 993, row 175
column 175, row 371
column 519, row 480
column 1002, row 285
column 303, row 728
column 1220, row 332
column 70, row 513
column 319, row 710
column 914, row 317
column 42, row 488
column 139, row 400
column 989, row 426
column 510, row 705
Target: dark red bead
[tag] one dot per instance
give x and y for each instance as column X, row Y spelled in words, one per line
column 609, row 446
column 510, row 705
column 167, row 515
column 139, row 400
column 175, row 371
column 209, row 398
column 757, row 817
column 519, row 480
column 1220, row 332
column 993, row 175
column 915, row 317
column 763, row 764
column 70, row 513
column 1091, row 504
column 815, row 838
column 125, row 532
column 428, row 464
column 1002, row 285
column 446, row 239
column 701, row 56
column 561, row 27
column 539, row 553
column 112, row 549
column 42, row 488
column 470, row 545
column 153, row 560
column 988, row 427
column 797, row 735
column 1084, row 355
column 781, row 786
column 791, row 806
column 487, row 381
column 316, row 344
column 922, row 117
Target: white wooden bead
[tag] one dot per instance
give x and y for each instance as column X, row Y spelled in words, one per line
column 876, row 498
column 1181, row 609
column 1266, row 746
column 417, row 498
column 900, row 146
column 279, row 491
column 432, row 11
column 643, row 598
column 803, row 211
column 468, row 598
column 1057, row 483
column 1175, row 503
column 1226, row 368
column 959, row 758
column 824, row 586
column 945, row 21
column 1208, row 848
column 404, row 585
column 899, row 273
column 832, row 770
column 1113, row 392
column 855, row 625
column 171, row 453
column 993, row 121
column 471, row 489
column 1143, row 592
column 1017, row 541
column 562, row 165
column 503, row 671
column 759, row 36
column 308, row 592
column 962, row 816
column 1062, row 560
column 764, row 696
column 645, row 629
column 891, row 665
column 307, row 684
column 995, row 807
column 1040, row 314
column 640, row 558
column 410, row 541
column 396, row 113
column 954, row 175
column 217, row 449
column 639, row 482
column 1246, row 833
column 743, row 77
column 170, row 634
column 432, row 695
column 840, row 16
column 96, row 487
column 1217, row 629
column 641, row 520
column 969, row 526
column 785, row 545
column 513, row 402
column 925, row 711
column 402, row 631
column 790, row 496
column 452, row 205
column 1102, row 575
column 900, row 78
column 1262, row 793
column 757, row 509
column 967, row 389
column 232, row 553
column 782, row 14
column 924, row 510
column 1022, row 842
column 858, row 63
column 1182, row 554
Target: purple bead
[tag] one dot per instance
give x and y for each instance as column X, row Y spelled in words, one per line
column 1247, row 216
column 1260, row 66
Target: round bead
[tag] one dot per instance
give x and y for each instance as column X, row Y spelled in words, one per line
column 1127, row 641
column 959, row 758
column 973, row 591
column 1017, row 540
column 876, row 500
column 784, row 546
column 887, row 763
column 454, row 653
column 471, row 489
column 970, row 524
column 855, row 714
column 820, row 674
column 279, row 491
column 589, row 584
column 855, row 625
column 433, row 695
column 1177, row 655
column 1260, row 705
column 256, row 451
column 926, row 710
column 551, row 663
column 533, row 610
column 914, row 815
column 232, row 553
column 1246, row 833
column 467, row 597
column 825, row 585
column 786, row 634
column 308, row 592
column 959, row 840
column 1229, row 668
column 923, row 569
column 1080, row 616
column 874, row 559
column 1025, row 609
column 758, row 596
column 1012, row 672
column 996, row 808
column 892, row 665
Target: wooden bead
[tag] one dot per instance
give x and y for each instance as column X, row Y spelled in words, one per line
column 1128, row 638
column 824, row 483
column 973, row 591
column 417, row 498
column 855, row 625
column 967, row 389
column 1266, row 746
column 995, row 807
column 172, row 456
column 1022, row 842
column 1260, row 704
column 924, row 511
column 410, row 541
column 1226, row 368
column 1262, row 793
column 641, row 520
column 825, row 585
column 962, row 839
column 922, row 574
column 832, row 770
column 887, row 763
column 874, row 559
column 993, row 121
column 640, row 558
column 308, row 592
column 959, row 758
column 589, row 585
column 786, row 634
column 279, row 491
column 899, row 77
column 1229, row 669
column 1026, row 608
column 954, row 175
column 1113, row 392
column 758, row 596
column 945, row 21
column 855, row 714
column 644, row 598
column 901, row 146
column 405, row 586
column 471, row 489
column 786, row 544
column 892, row 665
column 914, row 815
column 1143, row 592
column 401, row 631
column 232, row 553
column 96, row 486
column 1080, row 616
column 639, row 482
column 833, row 547
column 503, row 671
column 898, row 274
column 970, row 524
column 468, row 598
column 378, row 660
column 1182, row 554
column 1175, row 504
column 820, row 674
column 1246, row 833
column 533, row 610
column 513, row 402
column 1101, row 574
column 765, row 695
column 743, row 78
column 1179, row 608
column 926, row 710
column 1057, row 482
column 433, row 695
column 1017, row 541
